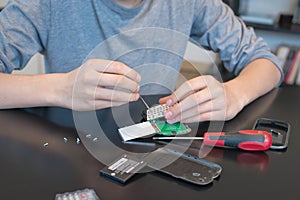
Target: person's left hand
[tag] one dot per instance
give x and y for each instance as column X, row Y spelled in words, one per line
column 202, row 99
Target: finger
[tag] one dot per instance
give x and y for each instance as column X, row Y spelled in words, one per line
column 100, row 104
column 208, row 116
column 163, row 100
column 194, row 111
column 186, row 89
column 119, row 81
column 95, row 105
column 114, row 95
column 192, row 101
column 114, row 67
column 208, row 106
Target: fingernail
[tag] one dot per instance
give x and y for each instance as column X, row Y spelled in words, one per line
column 169, row 102
column 168, row 115
column 171, row 121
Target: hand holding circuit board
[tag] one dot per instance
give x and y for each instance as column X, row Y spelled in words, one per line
column 155, row 124
column 251, row 140
column 203, row 99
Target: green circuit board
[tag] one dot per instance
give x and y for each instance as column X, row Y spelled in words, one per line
column 167, row 129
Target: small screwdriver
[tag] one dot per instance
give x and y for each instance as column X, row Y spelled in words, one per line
column 143, row 100
column 250, row 140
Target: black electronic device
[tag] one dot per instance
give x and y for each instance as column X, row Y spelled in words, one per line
column 179, row 165
column 183, row 166
column 279, row 130
column 85, row 194
column 123, row 168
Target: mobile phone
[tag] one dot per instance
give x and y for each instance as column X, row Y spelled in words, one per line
column 185, row 167
column 279, row 130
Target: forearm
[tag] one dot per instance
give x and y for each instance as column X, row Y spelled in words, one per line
column 85, row 88
column 256, row 79
column 29, row 90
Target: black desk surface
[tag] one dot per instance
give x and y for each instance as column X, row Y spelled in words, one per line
column 31, row 171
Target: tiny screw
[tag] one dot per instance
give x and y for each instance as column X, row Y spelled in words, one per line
column 196, row 174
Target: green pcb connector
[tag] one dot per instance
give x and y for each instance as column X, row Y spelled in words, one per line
column 167, row 129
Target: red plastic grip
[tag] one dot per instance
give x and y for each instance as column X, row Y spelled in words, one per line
column 210, row 142
column 256, row 146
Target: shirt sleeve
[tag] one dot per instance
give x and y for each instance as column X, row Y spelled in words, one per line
column 216, row 28
column 24, row 26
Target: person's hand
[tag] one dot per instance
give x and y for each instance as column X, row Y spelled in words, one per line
column 99, row 84
column 202, row 99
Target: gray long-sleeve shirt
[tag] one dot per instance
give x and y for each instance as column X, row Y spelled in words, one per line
column 150, row 38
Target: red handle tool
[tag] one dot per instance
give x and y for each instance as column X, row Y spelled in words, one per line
column 250, row 140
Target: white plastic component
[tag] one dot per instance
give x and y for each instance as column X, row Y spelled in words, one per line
column 157, row 112
column 137, row 131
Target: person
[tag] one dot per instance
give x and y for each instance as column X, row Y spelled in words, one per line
column 66, row 32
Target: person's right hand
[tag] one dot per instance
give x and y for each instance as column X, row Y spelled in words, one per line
column 100, row 84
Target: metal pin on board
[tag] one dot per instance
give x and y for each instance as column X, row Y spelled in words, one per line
column 144, row 102
column 77, row 141
column 46, row 144
column 65, row 140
